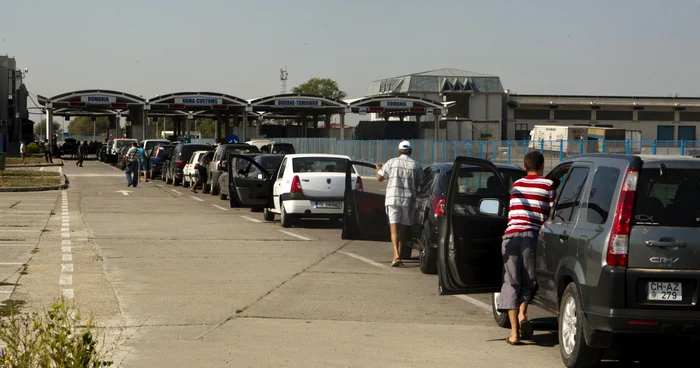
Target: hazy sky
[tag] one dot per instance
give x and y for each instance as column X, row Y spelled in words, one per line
column 149, row 47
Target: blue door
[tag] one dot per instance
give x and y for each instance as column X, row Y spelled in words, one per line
column 665, row 133
column 686, row 133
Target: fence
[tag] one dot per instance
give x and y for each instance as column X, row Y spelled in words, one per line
column 507, row 152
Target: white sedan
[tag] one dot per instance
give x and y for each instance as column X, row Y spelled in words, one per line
column 304, row 186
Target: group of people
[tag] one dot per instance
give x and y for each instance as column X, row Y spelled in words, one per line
column 531, row 200
column 45, row 148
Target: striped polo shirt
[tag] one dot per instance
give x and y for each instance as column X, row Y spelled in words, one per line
column 531, row 199
column 404, row 175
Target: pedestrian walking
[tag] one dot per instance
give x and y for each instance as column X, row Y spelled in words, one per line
column 46, row 150
column 133, row 158
column 22, row 151
column 531, row 199
column 82, row 153
column 403, row 175
column 202, row 173
column 144, row 163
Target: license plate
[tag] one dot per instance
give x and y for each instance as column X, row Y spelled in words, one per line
column 665, row 291
column 329, row 205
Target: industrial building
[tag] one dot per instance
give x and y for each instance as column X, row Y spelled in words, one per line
column 14, row 116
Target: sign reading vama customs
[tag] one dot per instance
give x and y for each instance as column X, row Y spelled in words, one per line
column 98, row 99
column 194, row 100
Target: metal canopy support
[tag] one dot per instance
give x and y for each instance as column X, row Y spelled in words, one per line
column 436, row 128
column 244, row 132
column 49, row 121
column 342, row 126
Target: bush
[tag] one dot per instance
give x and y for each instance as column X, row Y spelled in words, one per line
column 54, row 338
column 33, row 148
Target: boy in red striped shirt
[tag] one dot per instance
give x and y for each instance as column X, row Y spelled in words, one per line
column 531, row 199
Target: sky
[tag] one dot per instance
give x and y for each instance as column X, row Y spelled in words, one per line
column 151, row 47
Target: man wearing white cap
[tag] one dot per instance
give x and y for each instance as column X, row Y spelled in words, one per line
column 404, row 175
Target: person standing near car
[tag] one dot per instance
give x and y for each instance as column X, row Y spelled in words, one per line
column 144, row 163
column 46, row 150
column 82, row 152
column 531, row 199
column 202, row 172
column 22, row 151
column 133, row 159
column 404, row 175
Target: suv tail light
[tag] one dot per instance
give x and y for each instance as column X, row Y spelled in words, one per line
column 438, row 206
column 179, row 163
column 358, row 185
column 296, row 185
column 618, row 245
column 196, row 166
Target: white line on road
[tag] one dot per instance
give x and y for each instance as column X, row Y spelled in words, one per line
column 158, row 185
column 65, row 280
column 68, row 267
column 219, row 207
column 176, row 191
column 66, row 249
column 68, row 293
column 65, row 229
column 5, row 291
column 65, row 242
column 366, row 260
column 67, row 258
column 65, row 235
column 199, row 199
column 475, row 302
column 42, row 169
column 250, row 219
column 294, row 235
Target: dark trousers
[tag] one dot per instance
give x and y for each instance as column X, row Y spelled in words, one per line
column 81, row 157
column 47, row 156
column 132, row 173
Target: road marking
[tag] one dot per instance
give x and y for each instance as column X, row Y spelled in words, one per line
column 42, row 169
column 219, row 207
column 176, row 191
column 158, row 185
column 66, row 249
column 294, row 235
column 366, row 260
column 65, row 235
column 250, row 219
column 68, row 293
column 65, row 280
column 123, row 192
column 5, row 291
column 68, row 267
column 67, row 258
column 199, row 199
column 475, row 302
column 65, row 229
column 65, row 242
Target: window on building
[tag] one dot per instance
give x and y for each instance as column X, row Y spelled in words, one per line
column 604, row 125
column 690, row 116
column 522, row 132
column 572, row 114
column 531, row 114
column 613, row 115
column 665, row 133
column 655, row 116
column 686, row 133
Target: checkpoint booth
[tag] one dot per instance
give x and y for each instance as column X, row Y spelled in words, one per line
column 185, row 107
column 94, row 103
column 400, row 106
column 307, row 110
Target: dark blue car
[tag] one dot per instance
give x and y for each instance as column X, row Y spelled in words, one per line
column 156, row 158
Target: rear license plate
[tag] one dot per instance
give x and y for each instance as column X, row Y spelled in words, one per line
column 665, row 291
column 329, row 205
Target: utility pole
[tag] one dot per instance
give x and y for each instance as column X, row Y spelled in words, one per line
column 283, row 79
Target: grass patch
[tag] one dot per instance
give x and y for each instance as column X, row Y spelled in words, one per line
column 10, row 307
column 31, row 160
column 28, row 178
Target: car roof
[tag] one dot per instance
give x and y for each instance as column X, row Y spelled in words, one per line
column 448, row 165
column 302, row 155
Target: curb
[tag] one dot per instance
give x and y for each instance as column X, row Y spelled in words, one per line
column 32, row 165
column 64, row 185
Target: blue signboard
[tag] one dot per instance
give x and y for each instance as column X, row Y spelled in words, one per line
column 233, row 139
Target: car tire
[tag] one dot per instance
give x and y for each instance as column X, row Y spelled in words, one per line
column 574, row 350
column 214, row 189
column 501, row 318
column 285, row 219
column 427, row 255
column 268, row 215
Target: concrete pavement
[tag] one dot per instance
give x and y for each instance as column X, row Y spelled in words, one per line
column 181, row 280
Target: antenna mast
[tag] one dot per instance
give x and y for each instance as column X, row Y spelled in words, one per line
column 283, row 79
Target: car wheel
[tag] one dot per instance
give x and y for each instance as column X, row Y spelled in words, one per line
column 285, row 219
column 572, row 344
column 214, row 189
column 176, row 181
column 185, row 183
column 268, row 215
column 427, row 256
column 501, row 318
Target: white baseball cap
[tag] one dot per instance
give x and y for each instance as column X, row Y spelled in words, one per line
column 404, row 145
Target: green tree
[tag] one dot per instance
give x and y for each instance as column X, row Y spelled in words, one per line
column 325, row 87
column 207, row 127
column 83, row 125
column 40, row 128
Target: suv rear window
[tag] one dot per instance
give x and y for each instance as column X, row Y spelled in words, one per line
column 319, row 164
column 668, row 200
column 287, row 148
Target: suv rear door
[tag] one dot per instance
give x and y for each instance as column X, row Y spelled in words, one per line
column 246, row 188
column 469, row 248
column 664, row 249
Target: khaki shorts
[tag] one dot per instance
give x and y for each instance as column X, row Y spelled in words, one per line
column 399, row 215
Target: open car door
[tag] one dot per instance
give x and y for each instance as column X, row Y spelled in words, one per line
column 469, row 248
column 364, row 216
column 249, row 184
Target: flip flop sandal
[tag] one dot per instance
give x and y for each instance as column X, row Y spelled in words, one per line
column 396, row 263
column 513, row 343
column 526, row 330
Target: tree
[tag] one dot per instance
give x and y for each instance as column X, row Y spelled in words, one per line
column 325, row 87
column 207, row 127
column 83, row 125
column 40, row 128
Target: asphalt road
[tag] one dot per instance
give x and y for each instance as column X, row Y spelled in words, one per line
column 181, row 280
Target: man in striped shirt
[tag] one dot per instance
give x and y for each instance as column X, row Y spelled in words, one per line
column 531, row 199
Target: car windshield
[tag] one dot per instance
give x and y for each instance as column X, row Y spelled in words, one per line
column 124, row 143
column 319, row 164
column 667, row 200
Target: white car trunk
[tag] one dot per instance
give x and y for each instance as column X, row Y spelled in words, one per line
column 324, row 184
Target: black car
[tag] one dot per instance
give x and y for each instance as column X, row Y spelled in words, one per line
column 179, row 158
column 270, row 163
column 158, row 157
column 432, row 198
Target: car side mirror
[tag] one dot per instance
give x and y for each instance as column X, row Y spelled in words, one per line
column 260, row 176
column 490, row 207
